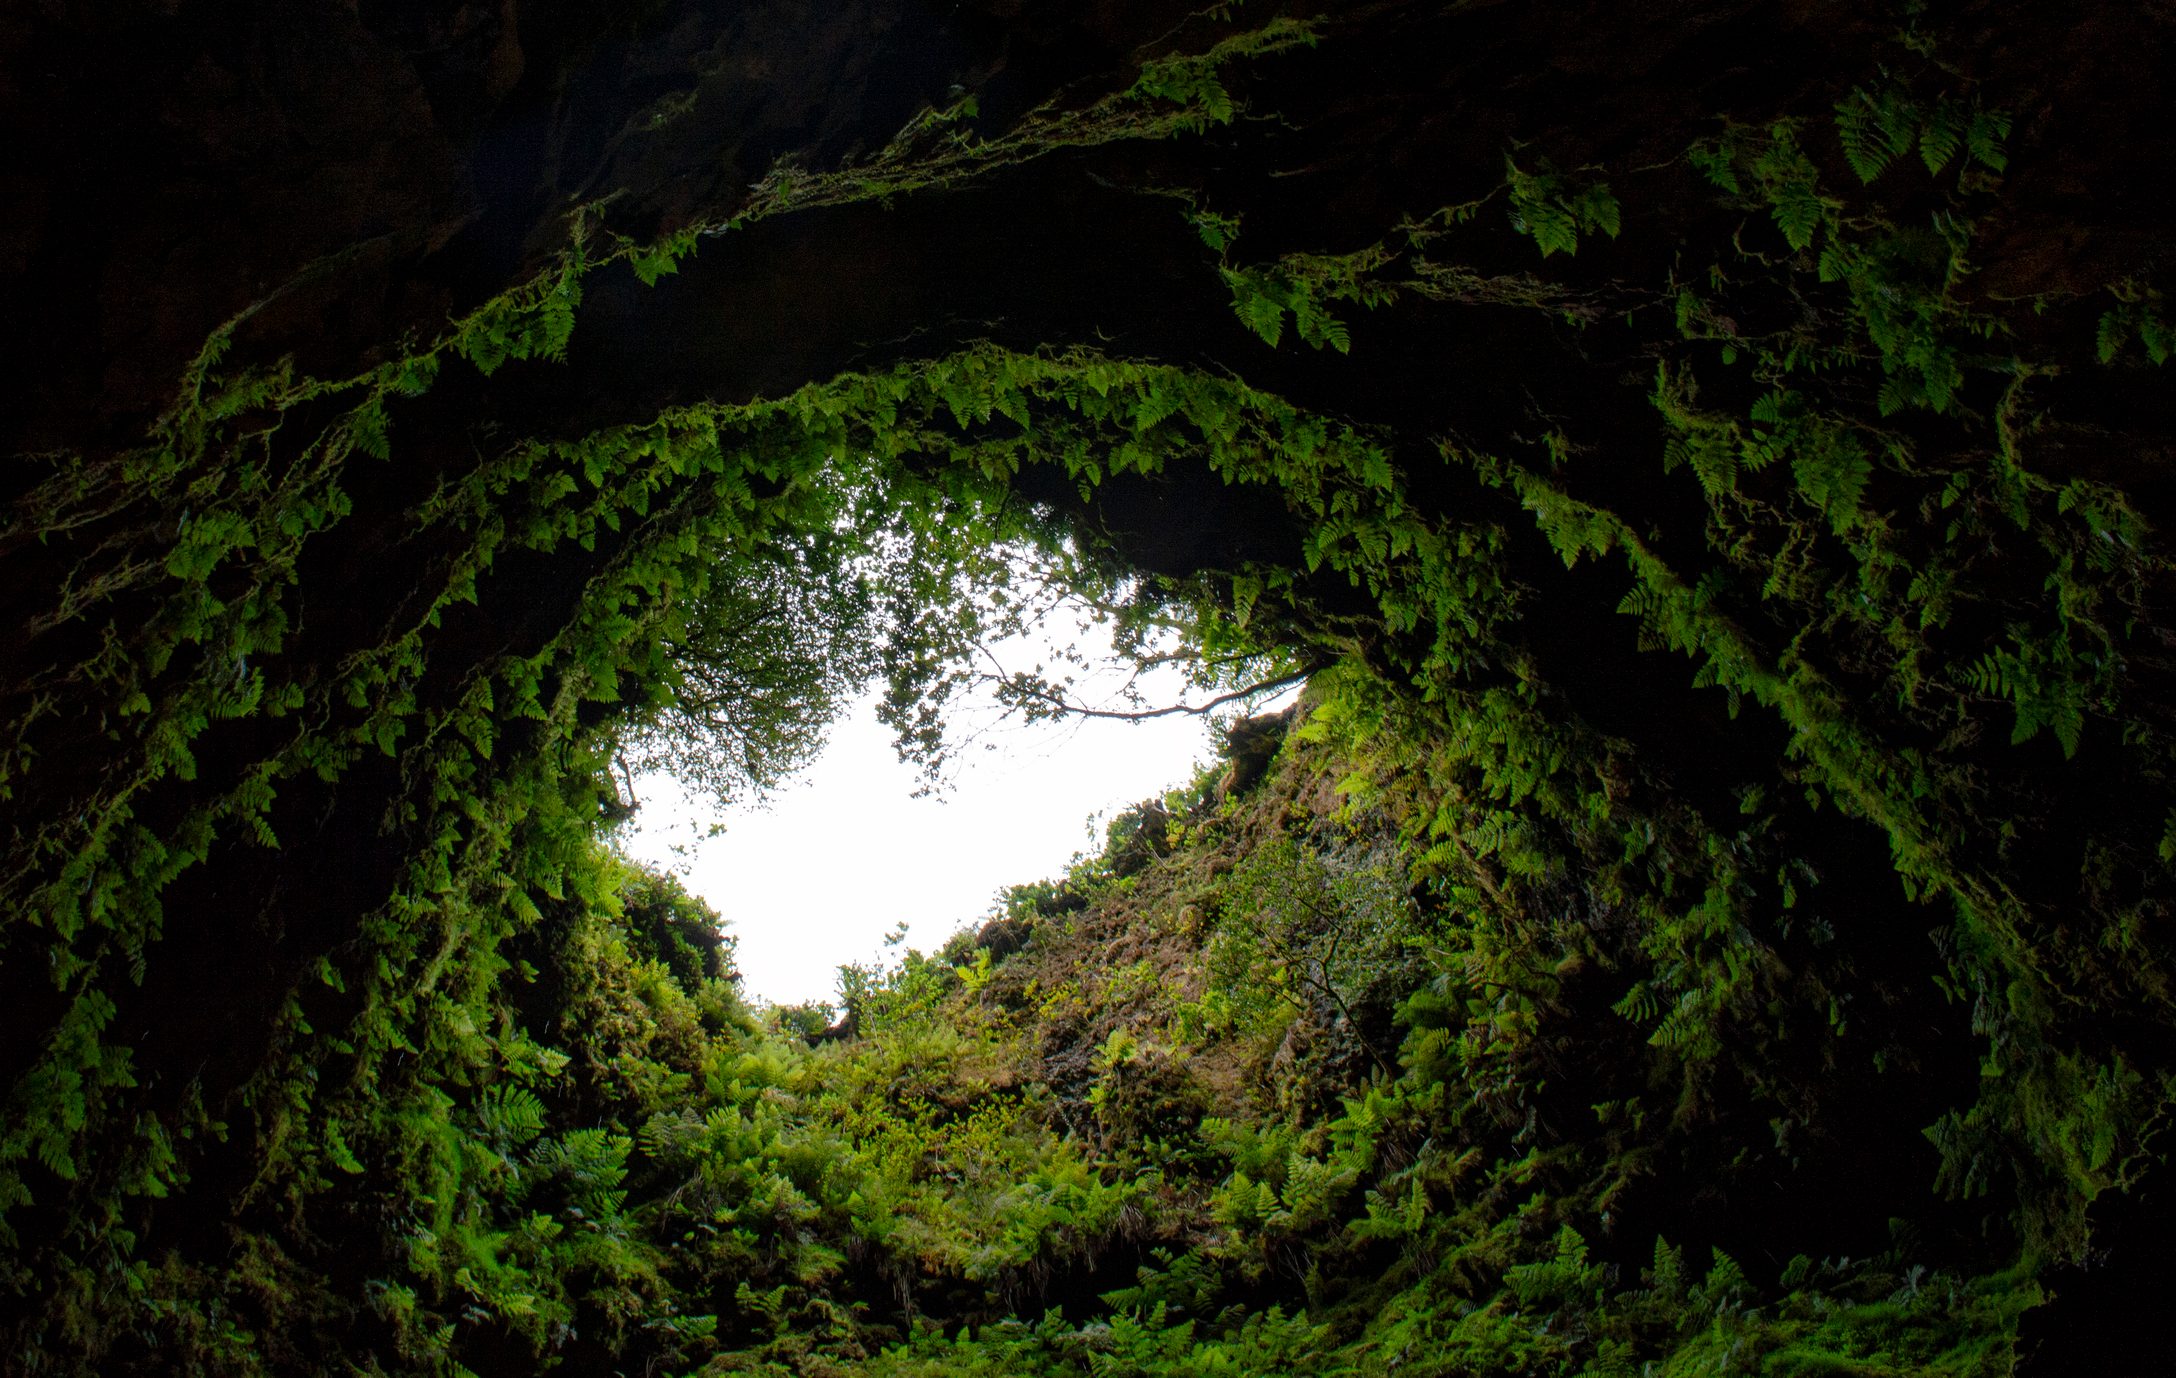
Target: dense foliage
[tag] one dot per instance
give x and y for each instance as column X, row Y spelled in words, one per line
column 1707, row 916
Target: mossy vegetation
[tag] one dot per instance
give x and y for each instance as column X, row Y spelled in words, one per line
column 1706, row 915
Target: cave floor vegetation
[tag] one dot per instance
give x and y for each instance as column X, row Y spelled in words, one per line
column 1708, row 464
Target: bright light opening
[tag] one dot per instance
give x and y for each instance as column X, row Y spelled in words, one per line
column 845, row 854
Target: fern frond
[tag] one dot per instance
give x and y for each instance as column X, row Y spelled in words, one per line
column 1552, row 227
column 2158, row 336
column 1638, row 1004
column 1318, row 327
column 1983, row 139
column 1257, row 307
column 1832, row 473
column 1715, row 462
column 1642, row 602
column 510, row 1114
column 1942, row 135
column 1989, row 675
column 1898, row 392
column 1597, row 209
column 1871, row 132
column 1797, row 213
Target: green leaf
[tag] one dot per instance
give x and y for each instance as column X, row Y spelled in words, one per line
column 1798, row 214
column 1942, row 135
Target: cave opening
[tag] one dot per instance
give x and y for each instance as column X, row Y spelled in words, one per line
column 1699, row 471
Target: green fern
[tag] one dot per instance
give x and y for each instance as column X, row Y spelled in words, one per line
column 511, row 1116
column 1875, row 130
column 1767, row 167
column 1942, row 134
column 1219, row 232
column 1832, row 471
column 1549, row 209
column 1299, row 287
column 2138, row 313
column 1984, row 137
column 1638, row 1004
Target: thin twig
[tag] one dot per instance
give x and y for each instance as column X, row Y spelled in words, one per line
column 1196, row 709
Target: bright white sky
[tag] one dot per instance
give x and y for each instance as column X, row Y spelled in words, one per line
column 845, row 853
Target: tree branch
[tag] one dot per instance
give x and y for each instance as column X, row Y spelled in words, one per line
column 1142, row 715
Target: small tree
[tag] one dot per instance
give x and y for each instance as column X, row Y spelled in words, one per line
column 1317, row 933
